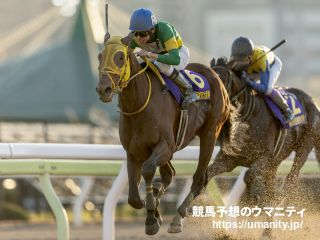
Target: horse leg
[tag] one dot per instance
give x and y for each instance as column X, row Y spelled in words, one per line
column 134, row 176
column 292, row 178
column 255, row 179
column 166, row 173
column 160, row 154
column 268, row 199
column 222, row 163
column 159, row 188
column 260, row 179
column 207, row 143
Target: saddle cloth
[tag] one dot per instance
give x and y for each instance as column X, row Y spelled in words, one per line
column 293, row 103
column 199, row 84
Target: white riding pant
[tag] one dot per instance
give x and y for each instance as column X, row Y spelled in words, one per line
column 274, row 72
column 184, row 60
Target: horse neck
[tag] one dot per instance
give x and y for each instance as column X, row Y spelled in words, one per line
column 238, row 90
column 243, row 95
column 135, row 94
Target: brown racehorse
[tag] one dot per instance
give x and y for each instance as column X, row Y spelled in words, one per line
column 149, row 123
column 263, row 129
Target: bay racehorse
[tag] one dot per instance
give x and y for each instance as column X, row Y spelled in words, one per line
column 148, row 126
column 261, row 152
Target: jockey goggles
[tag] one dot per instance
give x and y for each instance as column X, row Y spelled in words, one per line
column 142, row 33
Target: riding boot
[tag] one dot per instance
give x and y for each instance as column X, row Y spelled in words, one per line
column 189, row 95
column 278, row 99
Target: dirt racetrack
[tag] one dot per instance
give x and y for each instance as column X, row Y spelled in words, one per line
column 195, row 228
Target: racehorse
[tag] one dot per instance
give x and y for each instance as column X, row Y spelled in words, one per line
column 149, row 119
column 262, row 153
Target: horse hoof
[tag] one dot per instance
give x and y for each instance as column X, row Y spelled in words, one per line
column 153, row 229
column 266, row 235
column 137, row 204
column 176, row 224
column 175, row 228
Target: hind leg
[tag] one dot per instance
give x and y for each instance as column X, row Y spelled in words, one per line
column 260, row 180
column 268, row 199
column 160, row 154
column 291, row 181
column 222, row 163
column 166, row 173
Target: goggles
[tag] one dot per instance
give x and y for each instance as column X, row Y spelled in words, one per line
column 142, row 33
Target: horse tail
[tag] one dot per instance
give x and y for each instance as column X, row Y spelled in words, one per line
column 317, row 152
column 317, row 143
column 233, row 135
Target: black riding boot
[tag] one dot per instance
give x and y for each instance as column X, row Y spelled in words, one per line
column 278, row 99
column 189, row 96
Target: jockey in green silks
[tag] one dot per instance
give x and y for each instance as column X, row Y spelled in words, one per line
column 162, row 44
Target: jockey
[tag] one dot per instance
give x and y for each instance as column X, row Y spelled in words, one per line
column 256, row 65
column 161, row 43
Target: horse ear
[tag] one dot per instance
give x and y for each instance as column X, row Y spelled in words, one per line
column 212, row 62
column 100, row 58
column 230, row 64
column 106, row 37
column 126, row 40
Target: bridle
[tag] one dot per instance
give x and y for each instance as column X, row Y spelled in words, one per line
column 112, row 47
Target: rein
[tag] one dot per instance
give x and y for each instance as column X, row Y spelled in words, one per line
column 146, row 102
column 149, row 91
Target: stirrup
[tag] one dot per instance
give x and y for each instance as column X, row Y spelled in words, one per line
column 189, row 98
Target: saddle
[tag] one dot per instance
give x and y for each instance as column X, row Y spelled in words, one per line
column 199, row 84
column 295, row 105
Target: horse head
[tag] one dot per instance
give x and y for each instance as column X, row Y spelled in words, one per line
column 234, row 85
column 114, row 67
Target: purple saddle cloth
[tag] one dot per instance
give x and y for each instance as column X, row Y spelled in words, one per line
column 293, row 103
column 199, row 84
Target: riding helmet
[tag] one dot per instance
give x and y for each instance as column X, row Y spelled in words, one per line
column 142, row 20
column 241, row 47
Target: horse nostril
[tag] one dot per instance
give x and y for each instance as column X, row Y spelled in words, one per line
column 108, row 90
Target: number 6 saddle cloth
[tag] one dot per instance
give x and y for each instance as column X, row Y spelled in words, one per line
column 199, row 84
column 295, row 105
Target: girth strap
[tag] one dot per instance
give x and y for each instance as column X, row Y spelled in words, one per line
column 182, row 128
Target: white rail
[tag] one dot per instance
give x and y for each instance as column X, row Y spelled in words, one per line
column 33, row 159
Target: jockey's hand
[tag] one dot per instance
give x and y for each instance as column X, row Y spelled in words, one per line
column 143, row 53
column 248, row 81
column 243, row 74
